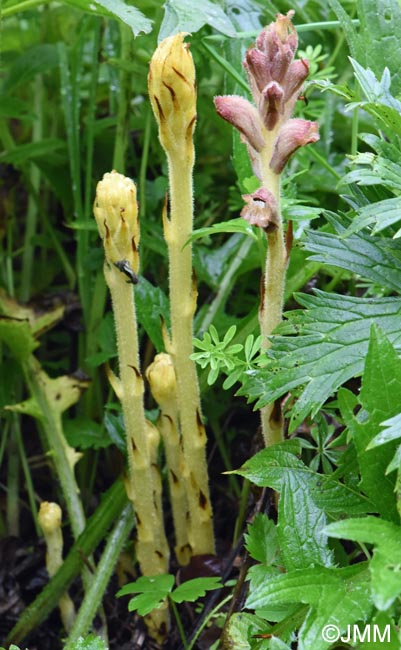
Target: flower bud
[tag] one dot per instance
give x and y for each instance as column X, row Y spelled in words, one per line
column 172, row 92
column 116, row 214
column 244, row 116
column 261, row 209
column 293, row 134
column 162, row 380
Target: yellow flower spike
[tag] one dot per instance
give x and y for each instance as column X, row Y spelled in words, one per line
column 49, row 518
column 172, row 92
column 116, row 214
column 163, row 384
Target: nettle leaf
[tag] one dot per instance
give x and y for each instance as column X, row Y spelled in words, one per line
column 391, row 431
column 379, row 399
column 382, row 214
column 386, row 561
column 190, row 16
column 261, row 540
column 191, row 590
column 320, row 348
column 339, row 597
column 300, row 521
column 371, row 257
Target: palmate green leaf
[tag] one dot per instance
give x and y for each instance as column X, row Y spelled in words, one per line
column 151, row 590
column 379, row 398
column 371, row 257
column 320, row 348
column 339, row 597
column 386, row 561
column 191, row 590
column 191, row 15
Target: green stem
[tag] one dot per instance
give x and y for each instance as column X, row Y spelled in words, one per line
column 179, row 624
column 51, row 421
column 22, row 6
column 13, row 488
column 96, row 528
column 28, row 480
column 105, row 567
column 271, row 311
column 32, row 211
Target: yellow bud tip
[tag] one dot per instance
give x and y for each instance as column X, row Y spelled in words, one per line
column 172, row 90
column 161, row 377
column 49, row 517
column 116, row 214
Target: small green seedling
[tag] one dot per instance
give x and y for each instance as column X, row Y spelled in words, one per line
column 153, row 590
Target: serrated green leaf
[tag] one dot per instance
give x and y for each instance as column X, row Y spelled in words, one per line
column 300, row 520
column 371, row 257
column 379, row 398
column 392, row 431
column 336, row 596
column 190, row 16
column 386, row 561
column 191, row 590
column 326, row 344
column 261, row 540
column 382, row 214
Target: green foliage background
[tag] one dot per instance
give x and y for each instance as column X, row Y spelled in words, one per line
column 73, row 105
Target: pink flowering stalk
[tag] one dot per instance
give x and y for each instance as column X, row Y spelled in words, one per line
column 271, row 137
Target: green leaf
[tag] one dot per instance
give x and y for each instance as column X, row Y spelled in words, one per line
column 239, row 629
column 261, row 540
column 35, row 60
column 124, row 12
column 386, row 561
column 191, row 590
column 152, row 308
column 379, row 398
column 32, row 151
column 91, row 642
column 371, row 257
column 190, row 16
column 300, row 521
column 382, row 214
column 85, row 434
column 18, row 336
column 152, row 591
column 337, row 596
column 391, row 432
column 232, row 225
column 323, row 347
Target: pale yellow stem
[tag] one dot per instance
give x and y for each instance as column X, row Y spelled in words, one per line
column 271, row 310
column 182, row 305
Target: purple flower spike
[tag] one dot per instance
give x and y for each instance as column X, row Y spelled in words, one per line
column 244, row 116
column 293, row 134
